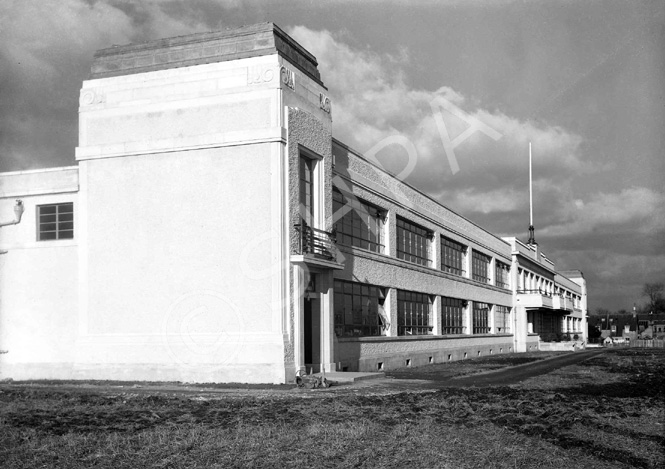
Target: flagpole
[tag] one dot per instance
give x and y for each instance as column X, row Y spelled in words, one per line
column 530, row 189
column 532, row 238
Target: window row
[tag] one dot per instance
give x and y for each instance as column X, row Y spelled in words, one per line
column 360, row 312
column 361, row 224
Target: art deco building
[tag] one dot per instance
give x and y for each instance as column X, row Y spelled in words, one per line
column 213, row 230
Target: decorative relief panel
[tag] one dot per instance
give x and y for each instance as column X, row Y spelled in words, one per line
column 288, row 78
column 90, row 97
column 324, row 102
column 259, row 75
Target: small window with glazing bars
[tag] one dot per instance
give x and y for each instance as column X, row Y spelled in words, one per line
column 55, row 221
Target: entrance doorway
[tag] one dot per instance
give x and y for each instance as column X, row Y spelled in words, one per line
column 312, row 334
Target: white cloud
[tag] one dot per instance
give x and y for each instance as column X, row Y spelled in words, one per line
column 372, row 101
column 636, row 209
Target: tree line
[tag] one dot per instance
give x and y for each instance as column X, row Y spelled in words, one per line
column 654, row 304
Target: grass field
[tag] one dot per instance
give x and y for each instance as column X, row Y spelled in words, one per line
column 607, row 412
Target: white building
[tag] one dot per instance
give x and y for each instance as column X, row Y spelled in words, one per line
column 194, row 238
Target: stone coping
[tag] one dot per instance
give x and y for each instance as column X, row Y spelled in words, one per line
column 201, row 48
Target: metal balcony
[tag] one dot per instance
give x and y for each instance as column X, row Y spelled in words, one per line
column 317, row 243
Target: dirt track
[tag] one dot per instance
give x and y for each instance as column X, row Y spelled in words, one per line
column 519, row 373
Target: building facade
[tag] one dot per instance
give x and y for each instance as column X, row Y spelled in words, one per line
column 213, row 230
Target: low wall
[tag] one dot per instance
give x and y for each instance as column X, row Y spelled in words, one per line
column 387, row 353
column 561, row 346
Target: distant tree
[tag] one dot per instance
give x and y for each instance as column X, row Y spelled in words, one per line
column 654, row 292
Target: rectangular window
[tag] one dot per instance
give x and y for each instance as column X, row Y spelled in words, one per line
column 453, row 257
column 358, row 309
column 360, row 225
column 502, row 319
column 412, row 242
column 306, row 171
column 502, row 275
column 414, row 313
column 480, row 267
column 55, row 221
column 452, row 312
column 481, row 318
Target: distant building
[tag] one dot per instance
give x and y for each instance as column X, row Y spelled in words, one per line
column 213, row 230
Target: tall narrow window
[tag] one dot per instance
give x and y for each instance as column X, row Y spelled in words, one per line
column 502, row 319
column 307, row 189
column 55, row 221
column 412, row 242
column 502, row 275
column 453, row 256
column 414, row 313
column 481, row 318
column 480, row 267
column 361, row 224
column 452, row 312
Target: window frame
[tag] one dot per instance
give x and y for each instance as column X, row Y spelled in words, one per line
column 61, row 217
column 307, row 202
column 478, row 260
column 502, row 275
column 503, row 312
column 421, row 254
column 480, row 317
column 452, row 315
column 362, row 235
column 450, row 250
column 406, row 326
column 364, row 323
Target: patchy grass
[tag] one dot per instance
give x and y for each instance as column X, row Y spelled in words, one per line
column 606, row 413
column 471, row 366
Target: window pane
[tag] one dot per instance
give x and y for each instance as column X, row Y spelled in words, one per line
column 359, row 224
column 412, row 242
column 56, row 221
column 413, row 313
column 360, row 309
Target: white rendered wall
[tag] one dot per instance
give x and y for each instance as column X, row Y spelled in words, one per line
column 38, row 279
column 178, row 172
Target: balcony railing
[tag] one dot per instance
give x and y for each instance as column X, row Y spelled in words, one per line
column 536, row 298
column 538, row 291
column 562, row 302
column 315, row 242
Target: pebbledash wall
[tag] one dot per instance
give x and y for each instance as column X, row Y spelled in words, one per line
column 203, row 221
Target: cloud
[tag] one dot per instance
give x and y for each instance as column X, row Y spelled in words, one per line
column 637, row 210
column 41, row 73
column 372, row 101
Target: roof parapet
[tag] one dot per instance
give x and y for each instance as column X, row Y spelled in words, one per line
column 202, row 48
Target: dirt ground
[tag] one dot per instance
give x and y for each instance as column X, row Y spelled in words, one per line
column 602, row 409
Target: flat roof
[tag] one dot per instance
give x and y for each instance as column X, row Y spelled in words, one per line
column 201, row 48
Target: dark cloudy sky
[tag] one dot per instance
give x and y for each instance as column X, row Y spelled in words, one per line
column 584, row 81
